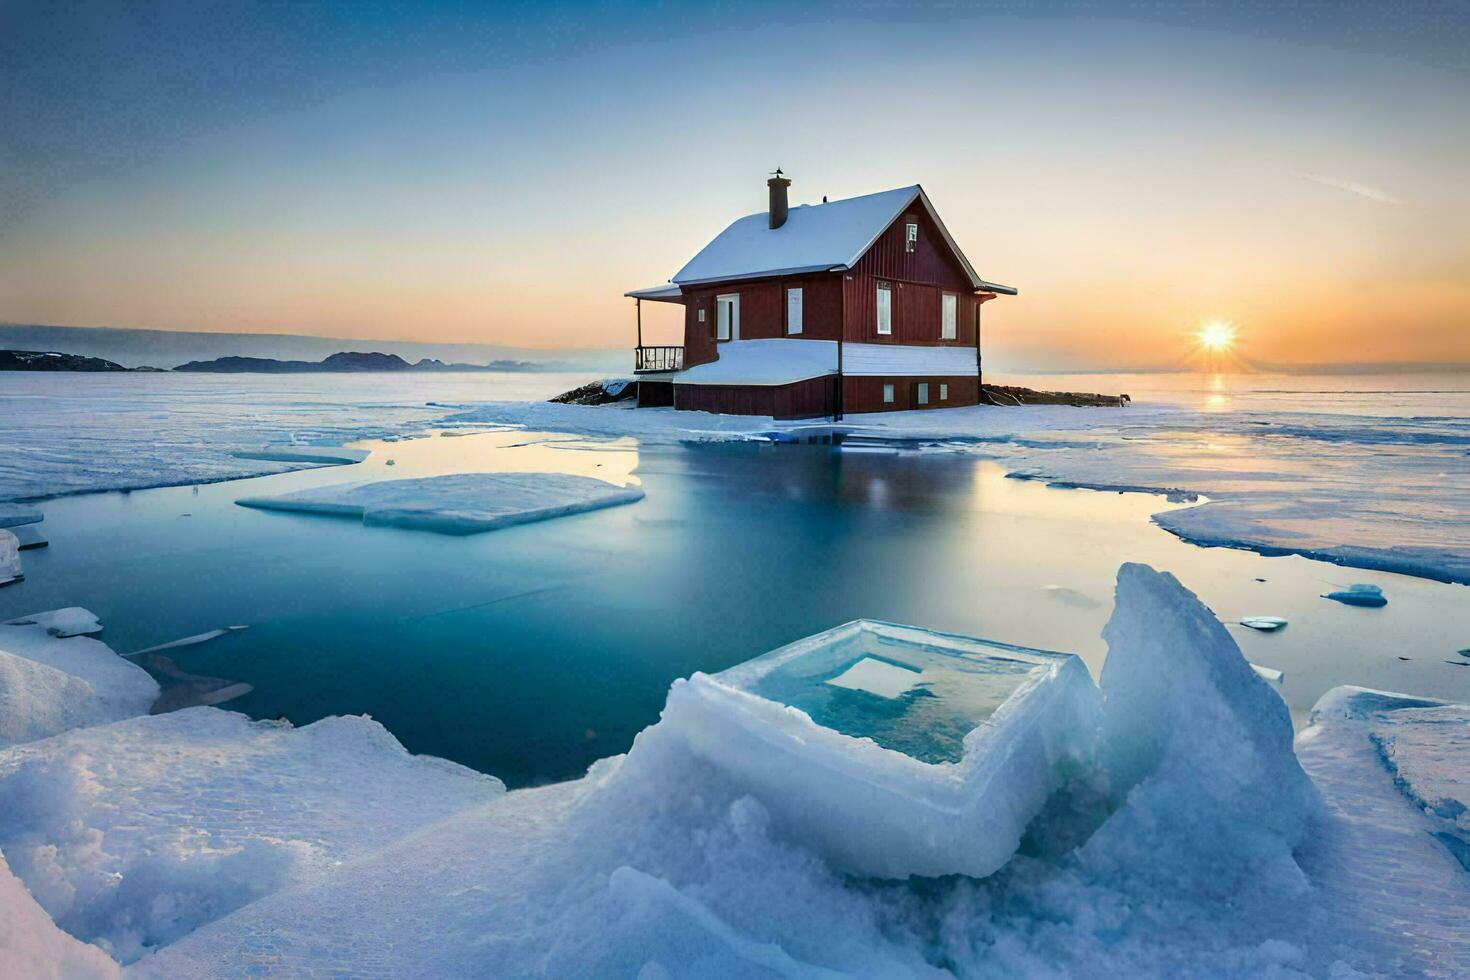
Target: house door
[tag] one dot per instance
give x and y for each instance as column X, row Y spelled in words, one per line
column 727, row 317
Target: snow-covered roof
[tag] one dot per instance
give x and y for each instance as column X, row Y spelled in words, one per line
column 815, row 238
column 667, row 292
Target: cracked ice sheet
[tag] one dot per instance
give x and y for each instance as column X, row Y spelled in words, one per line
column 132, row 834
column 1374, row 492
column 462, row 503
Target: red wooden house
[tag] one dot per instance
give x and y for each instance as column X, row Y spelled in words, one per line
column 860, row 305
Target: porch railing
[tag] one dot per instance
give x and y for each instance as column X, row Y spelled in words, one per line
column 647, row 360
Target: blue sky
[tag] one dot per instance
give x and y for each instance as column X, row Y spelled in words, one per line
column 502, row 173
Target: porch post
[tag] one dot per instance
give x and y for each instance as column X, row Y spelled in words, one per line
column 638, row 312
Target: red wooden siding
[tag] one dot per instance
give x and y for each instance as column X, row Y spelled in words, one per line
column 866, row 394
column 802, row 399
column 915, row 280
column 762, row 311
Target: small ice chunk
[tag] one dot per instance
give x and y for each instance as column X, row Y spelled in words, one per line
column 1266, row 624
column 331, row 455
column 9, row 558
column 1270, row 673
column 878, row 677
column 188, row 641
column 71, row 621
column 1359, row 595
column 464, row 503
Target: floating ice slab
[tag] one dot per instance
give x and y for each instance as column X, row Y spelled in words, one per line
column 1359, row 595
column 896, row 751
column 1266, row 624
column 29, row 536
column 465, row 503
column 330, row 455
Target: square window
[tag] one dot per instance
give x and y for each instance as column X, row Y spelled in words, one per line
column 944, row 393
column 923, row 392
column 888, row 394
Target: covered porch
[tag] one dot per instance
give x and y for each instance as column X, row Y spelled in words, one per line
column 655, row 359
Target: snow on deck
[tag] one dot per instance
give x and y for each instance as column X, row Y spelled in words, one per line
column 462, row 503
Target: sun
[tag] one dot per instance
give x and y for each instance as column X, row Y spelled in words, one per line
column 1217, row 336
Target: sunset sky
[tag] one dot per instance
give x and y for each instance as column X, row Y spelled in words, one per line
column 462, row 173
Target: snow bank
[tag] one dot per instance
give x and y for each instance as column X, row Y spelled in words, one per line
column 1186, row 857
column 132, row 834
column 464, row 503
column 50, row 683
column 31, row 947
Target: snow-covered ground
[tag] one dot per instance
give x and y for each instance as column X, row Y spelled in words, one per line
column 1194, row 838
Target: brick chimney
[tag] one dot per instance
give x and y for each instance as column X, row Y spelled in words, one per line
column 778, row 184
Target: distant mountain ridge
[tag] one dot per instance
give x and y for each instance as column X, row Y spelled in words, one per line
column 343, row 362
column 50, row 360
column 130, row 347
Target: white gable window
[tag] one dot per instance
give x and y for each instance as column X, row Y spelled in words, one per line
column 885, row 309
column 910, row 236
column 701, row 314
column 948, row 309
column 944, row 393
column 793, row 310
column 923, row 393
column 888, row 394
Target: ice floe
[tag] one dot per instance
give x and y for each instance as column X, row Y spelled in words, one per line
column 132, row 834
column 328, row 455
column 463, row 503
column 51, row 683
column 1264, row 624
column 10, row 568
column 15, row 515
column 1370, row 596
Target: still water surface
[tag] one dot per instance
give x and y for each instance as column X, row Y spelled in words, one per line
column 532, row 651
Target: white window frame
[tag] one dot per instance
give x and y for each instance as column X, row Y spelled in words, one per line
column 733, row 330
column 910, row 236
column 701, row 314
column 943, row 392
column 883, row 309
column 794, row 315
column 922, row 395
column 949, row 316
column 888, row 394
